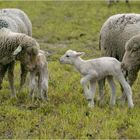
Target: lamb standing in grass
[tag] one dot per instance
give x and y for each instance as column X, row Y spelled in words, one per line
column 97, row 69
column 39, row 70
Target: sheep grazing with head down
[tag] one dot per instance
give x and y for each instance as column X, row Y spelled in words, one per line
column 97, row 69
column 39, row 70
column 131, row 59
column 114, row 34
column 17, row 21
column 16, row 46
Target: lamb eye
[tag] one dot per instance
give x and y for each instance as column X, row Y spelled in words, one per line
column 67, row 56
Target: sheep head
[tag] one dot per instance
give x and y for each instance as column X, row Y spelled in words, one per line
column 70, row 56
column 131, row 58
column 27, row 55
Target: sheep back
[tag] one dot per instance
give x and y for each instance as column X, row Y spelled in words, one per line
column 9, row 41
column 16, row 20
column 116, row 31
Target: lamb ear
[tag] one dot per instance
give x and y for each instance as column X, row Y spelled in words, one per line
column 18, row 49
column 80, row 54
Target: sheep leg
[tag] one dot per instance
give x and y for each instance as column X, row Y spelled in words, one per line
column 131, row 77
column 40, row 87
column 84, row 81
column 92, row 89
column 45, row 94
column 41, row 92
column 32, row 85
column 11, row 77
column 113, row 89
column 88, row 92
column 123, row 97
column 44, row 85
column 3, row 69
column 23, row 76
column 127, row 89
column 45, row 90
column 101, row 84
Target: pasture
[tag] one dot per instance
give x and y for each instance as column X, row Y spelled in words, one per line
column 59, row 26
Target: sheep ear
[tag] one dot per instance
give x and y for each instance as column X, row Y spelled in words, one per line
column 32, row 50
column 19, row 48
column 80, row 54
column 35, row 51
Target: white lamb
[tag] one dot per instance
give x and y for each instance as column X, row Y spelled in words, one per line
column 39, row 76
column 96, row 69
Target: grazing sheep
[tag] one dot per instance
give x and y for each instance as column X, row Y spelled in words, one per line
column 16, row 46
column 97, row 69
column 39, row 71
column 114, row 34
column 131, row 59
column 17, row 21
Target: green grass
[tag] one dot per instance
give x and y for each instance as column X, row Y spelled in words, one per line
column 58, row 26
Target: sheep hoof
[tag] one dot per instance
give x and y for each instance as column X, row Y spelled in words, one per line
column 131, row 105
column 13, row 96
column 112, row 103
column 91, row 104
column 101, row 103
column 47, row 99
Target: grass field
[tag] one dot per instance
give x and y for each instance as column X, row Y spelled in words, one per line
column 59, row 26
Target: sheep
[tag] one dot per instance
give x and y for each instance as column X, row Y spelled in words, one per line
column 96, row 69
column 131, row 58
column 16, row 46
column 40, row 71
column 114, row 34
column 17, row 21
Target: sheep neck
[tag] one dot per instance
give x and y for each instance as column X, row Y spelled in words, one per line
column 78, row 63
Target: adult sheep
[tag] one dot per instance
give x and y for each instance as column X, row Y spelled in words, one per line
column 16, row 46
column 17, row 21
column 114, row 34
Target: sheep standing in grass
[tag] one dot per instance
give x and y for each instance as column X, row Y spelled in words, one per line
column 17, row 21
column 97, row 69
column 39, row 70
column 16, row 46
column 114, row 34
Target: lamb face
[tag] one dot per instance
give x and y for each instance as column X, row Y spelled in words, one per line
column 70, row 56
